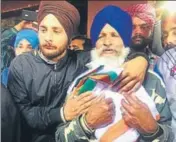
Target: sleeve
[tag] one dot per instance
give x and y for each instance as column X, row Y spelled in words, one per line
column 37, row 117
column 159, row 96
column 6, row 36
column 76, row 130
column 157, row 42
column 133, row 54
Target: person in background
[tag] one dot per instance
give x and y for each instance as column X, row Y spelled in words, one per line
column 166, row 66
column 80, row 43
column 7, row 50
column 26, row 40
column 143, row 17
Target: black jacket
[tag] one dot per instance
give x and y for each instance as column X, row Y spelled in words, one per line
column 10, row 118
column 39, row 88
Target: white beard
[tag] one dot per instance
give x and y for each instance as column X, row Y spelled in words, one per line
column 112, row 61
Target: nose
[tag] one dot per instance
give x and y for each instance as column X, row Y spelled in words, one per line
column 107, row 41
column 49, row 37
column 137, row 30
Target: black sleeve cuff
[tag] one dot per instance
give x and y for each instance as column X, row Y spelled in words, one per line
column 133, row 55
column 151, row 137
column 55, row 116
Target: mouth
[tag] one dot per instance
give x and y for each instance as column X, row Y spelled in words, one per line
column 49, row 47
column 109, row 51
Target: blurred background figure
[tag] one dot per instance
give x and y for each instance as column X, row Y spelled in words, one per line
column 169, row 29
column 19, row 39
column 166, row 66
column 26, row 40
column 80, row 43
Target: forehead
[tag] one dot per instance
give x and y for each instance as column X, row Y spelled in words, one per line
column 50, row 21
column 138, row 21
column 169, row 23
column 108, row 28
column 24, row 41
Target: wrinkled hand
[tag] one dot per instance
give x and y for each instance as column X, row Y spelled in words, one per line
column 137, row 115
column 77, row 105
column 133, row 74
column 100, row 113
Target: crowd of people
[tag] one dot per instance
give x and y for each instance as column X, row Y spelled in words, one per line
column 118, row 85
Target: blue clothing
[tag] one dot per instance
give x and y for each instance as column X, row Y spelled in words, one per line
column 7, row 52
column 4, row 76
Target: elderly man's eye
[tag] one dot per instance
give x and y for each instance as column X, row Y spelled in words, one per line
column 174, row 33
column 114, row 35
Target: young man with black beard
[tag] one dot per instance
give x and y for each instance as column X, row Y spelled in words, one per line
column 143, row 17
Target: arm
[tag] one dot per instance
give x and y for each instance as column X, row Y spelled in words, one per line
column 38, row 117
column 5, row 38
column 133, row 76
column 82, row 128
column 159, row 96
column 72, row 131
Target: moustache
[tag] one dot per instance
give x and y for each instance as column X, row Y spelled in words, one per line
column 138, row 36
column 49, row 46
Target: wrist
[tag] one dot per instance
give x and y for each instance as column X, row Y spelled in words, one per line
column 18, row 27
column 62, row 115
column 154, row 135
column 85, row 126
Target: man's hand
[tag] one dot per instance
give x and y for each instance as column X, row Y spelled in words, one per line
column 133, row 74
column 25, row 25
column 77, row 105
column 137, row 115
column 100, row 113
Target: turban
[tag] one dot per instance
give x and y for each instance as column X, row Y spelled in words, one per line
column 66, row 14
column 28, row 34
column 117, row 18
column 143, row 11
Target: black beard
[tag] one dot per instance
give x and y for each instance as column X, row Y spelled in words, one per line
column 141, row 46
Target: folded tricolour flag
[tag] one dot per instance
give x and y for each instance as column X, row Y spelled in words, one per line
column 100, row 80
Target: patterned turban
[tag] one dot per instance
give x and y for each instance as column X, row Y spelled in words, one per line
column 143, row 11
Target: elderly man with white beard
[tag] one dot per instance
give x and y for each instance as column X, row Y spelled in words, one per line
column 116, row 117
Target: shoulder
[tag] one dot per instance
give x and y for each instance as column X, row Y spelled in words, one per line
column 152, row 76
column 23, row 60
column 82, row 57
